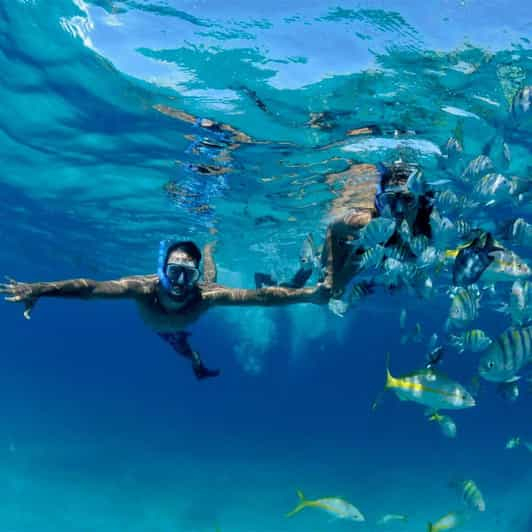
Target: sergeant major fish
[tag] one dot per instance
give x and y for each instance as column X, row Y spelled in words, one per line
column 478, row 166
column 471, row 495
column 496, row 188
column 378, row 231
column 335, row 506
column 465, row 304
column 474, row 340
column 507, row 355
column 358, row 291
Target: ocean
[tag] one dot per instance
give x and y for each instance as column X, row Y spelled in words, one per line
column 104, row 154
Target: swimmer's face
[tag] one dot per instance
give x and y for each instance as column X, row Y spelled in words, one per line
column 182, row 272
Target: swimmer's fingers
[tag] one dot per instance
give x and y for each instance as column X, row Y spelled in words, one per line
column 11, row 292
column 19, row 292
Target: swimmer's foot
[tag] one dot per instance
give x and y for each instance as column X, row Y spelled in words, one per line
column 202, row 372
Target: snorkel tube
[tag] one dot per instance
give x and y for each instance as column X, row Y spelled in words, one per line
column 161, row 273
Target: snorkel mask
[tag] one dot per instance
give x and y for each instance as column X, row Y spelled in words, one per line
column 394, row 200
column 176, row 277
column 395, row 203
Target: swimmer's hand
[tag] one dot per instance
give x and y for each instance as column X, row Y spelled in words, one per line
column 16, row 292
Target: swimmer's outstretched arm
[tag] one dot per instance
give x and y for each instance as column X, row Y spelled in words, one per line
column 210, row 271
column 265, row 297
column 133, row 287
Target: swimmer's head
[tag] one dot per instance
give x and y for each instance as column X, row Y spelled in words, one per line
column 394, row 198
column 179, row 271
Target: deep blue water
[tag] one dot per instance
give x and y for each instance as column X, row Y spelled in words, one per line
column 104, row 428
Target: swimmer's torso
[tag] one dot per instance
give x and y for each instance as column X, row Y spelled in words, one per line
column 161, row 320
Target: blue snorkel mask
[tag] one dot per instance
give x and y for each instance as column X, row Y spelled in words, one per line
column 175, row 278
column 392, row 201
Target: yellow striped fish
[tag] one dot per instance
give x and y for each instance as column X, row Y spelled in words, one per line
column 506, row 266
column 335, row 506
column 447, row 522
column 507, row 355
column 429, row 388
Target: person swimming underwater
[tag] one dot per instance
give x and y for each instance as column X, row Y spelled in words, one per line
column 171, row 300
column 368, row 192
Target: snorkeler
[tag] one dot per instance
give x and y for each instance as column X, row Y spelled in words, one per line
column 368, row 192
column 170, row 300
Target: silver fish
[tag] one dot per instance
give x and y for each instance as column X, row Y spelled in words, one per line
column 429, row 257
column 522, row 102
column 520, row 306
column 520, row 232
column 514, row 442
column 443, row 230
column 453, row 148
column 402, row 319
column 446, row 423
column 509, row 391
column 307, row 254
column 390, row 518
column 338, row 307
column 507, row 355
column 416, row 184
column 422, row 284
column 405, row 232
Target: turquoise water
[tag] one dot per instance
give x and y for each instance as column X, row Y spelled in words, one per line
column 103, row 428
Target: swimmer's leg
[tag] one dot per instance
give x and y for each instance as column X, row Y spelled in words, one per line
column 299, row 280
column 179, row 342
column 339, row 255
